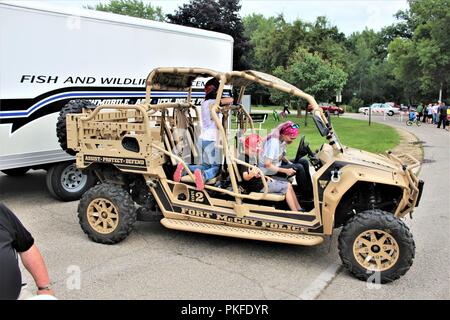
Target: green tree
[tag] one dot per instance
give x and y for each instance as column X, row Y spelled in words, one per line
column 274, row 41
column 404, row 62
column 312, row 74
column 427, row 52
column 133, row 8
column 220, row 16
column 326, row 40
column 370, row 76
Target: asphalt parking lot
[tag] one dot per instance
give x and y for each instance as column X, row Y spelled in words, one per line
column 157, row 263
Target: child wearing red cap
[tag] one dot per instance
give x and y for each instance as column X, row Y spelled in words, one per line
column 251, row 179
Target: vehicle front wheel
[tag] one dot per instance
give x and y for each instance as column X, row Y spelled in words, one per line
column 376, row 245
column 107, row 213
column 391, row 113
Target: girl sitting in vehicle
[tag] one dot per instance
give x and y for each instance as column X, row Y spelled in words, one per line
column 210, row 160
column 251, row 179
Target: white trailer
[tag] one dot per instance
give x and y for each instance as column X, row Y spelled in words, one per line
column 50, row 56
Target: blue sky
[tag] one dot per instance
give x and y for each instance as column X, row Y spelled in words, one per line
column 347, row 15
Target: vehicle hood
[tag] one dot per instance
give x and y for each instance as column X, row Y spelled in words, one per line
column 370, row 159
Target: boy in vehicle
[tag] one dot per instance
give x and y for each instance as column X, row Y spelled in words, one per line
column 251, row 179
column 273, row 161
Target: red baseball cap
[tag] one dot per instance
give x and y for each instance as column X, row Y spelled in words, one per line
column 252, row 140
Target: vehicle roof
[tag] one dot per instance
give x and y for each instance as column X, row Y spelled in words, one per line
column 116, row 18
column 174, row 78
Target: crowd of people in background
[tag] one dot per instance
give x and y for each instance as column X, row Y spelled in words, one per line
column 437, row 114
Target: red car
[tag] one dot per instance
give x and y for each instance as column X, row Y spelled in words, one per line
column 329, row 107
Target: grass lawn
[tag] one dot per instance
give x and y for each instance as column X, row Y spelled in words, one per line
column 377, row 138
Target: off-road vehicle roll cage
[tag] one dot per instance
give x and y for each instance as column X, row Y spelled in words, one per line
column 133, row 150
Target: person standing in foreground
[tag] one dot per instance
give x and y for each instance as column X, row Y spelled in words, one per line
column 14, row 238
column 210, row 166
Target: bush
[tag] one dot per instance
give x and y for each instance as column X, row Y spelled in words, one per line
column 355, row 104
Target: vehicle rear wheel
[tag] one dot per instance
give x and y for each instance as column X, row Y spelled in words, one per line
column 16, row 172
column 391, row 113
column 73, row 106
column 409, row 123
column 67, row 183
column 107, row 213
column 376, row 245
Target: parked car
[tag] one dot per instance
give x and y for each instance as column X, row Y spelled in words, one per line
column 328, row 107
column 380, row 107
column 331, row 108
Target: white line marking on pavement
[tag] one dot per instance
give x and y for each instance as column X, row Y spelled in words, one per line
column 321, row 282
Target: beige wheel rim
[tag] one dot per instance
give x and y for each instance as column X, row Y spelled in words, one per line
column 376, row 250
column 103, row 216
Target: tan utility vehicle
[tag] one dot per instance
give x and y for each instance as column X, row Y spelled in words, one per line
column 134, row 149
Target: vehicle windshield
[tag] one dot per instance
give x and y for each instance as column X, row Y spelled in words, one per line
column 321, row 126
column 324, row 126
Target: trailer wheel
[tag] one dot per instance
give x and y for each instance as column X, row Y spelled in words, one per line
column 16, row 172
column 73, row 106
column 107, row 213
column 375, row 245
column 67, row 183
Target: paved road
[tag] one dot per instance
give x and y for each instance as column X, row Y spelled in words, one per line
column 429, row 277
column 156, row 263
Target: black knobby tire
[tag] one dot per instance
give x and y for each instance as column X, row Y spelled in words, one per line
column 67, row 183
column 73, row 106
column 16, row 172
column 385, row 222
column 121, row 200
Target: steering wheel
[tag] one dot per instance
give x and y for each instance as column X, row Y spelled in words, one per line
column 303, row 150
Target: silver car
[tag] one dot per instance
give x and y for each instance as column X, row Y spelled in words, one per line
column 380, row 108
